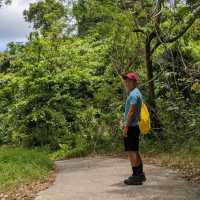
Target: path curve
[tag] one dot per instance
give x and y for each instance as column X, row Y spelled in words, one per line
column 102, row 179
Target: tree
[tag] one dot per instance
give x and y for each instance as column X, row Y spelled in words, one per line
column 90, row 13
column 4, row 2
column 159, row 26
column 154, row 22
column 46, row 15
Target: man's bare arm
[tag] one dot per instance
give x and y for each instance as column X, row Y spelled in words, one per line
column 131, row 115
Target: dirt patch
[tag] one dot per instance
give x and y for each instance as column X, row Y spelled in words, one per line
column 184, row 168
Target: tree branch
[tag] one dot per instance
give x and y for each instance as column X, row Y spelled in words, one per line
column 138, row 31
column 184, row 29
column 158, row 43
column 151, row 36
column 157, row 17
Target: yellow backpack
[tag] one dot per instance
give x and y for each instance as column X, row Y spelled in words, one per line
column 145, row 122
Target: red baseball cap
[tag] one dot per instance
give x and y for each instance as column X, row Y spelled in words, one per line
column 131, row 76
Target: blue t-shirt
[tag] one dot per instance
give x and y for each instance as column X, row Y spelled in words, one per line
column 134, row 98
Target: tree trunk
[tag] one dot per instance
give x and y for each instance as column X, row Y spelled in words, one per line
column 155, row 121
column 149, row 68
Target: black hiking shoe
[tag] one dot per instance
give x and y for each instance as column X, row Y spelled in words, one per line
column 135, row 180
column 143, row 177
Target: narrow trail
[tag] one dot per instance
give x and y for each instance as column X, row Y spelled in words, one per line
column 102, row 179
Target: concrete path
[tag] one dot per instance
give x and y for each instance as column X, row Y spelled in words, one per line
column 102, row 179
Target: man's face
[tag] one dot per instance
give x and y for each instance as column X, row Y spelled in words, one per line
column 130, row 84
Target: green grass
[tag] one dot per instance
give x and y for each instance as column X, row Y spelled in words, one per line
column 19, row 166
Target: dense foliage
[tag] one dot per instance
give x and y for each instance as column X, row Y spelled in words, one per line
column 63, row 89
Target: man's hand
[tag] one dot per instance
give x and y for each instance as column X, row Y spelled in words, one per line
column 125, row 131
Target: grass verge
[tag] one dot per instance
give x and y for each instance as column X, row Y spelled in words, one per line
column 22, row 166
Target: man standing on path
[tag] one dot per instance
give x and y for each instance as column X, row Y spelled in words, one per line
column 131, row 130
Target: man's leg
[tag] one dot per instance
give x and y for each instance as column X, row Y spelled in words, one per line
column 138, row 176
column 132, row 148
column 134, row 158
column 136, row 162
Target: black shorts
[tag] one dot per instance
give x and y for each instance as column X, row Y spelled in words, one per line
column 131, row 143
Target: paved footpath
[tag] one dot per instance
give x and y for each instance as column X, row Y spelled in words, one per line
column 102, row 179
